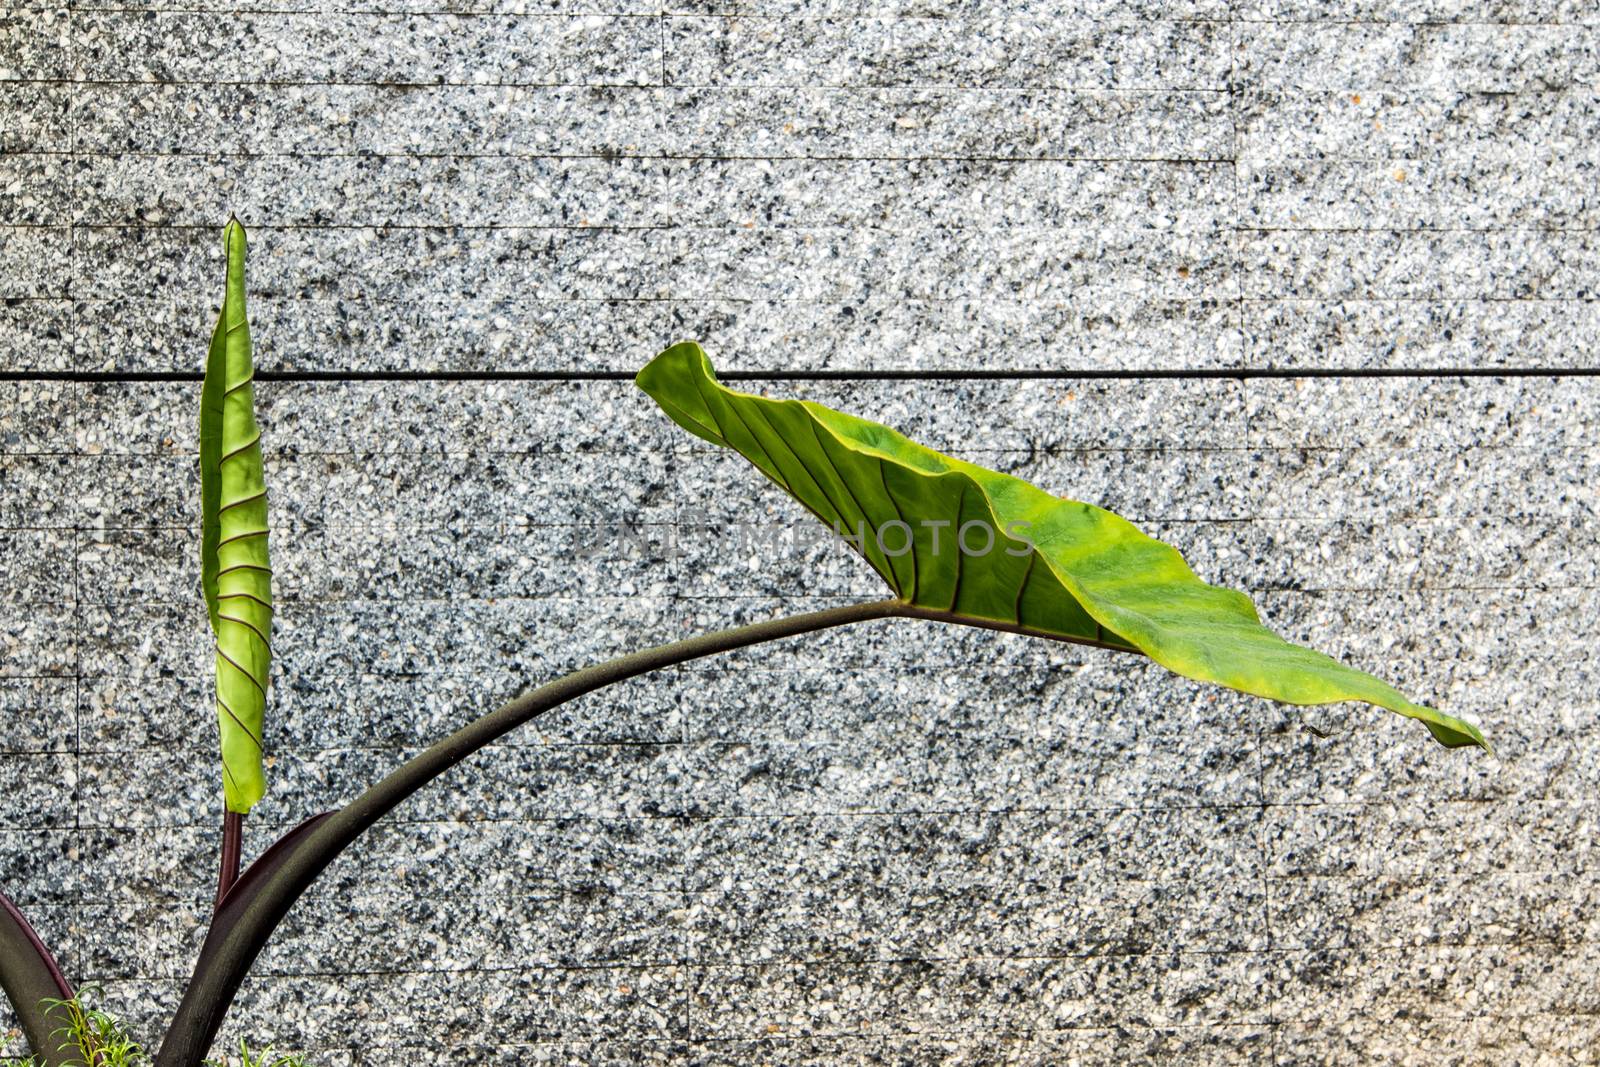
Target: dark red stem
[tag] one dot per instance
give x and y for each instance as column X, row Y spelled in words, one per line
column 232, row 846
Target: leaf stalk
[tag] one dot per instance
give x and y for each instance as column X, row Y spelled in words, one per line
column 232, row 847
column 231, row 949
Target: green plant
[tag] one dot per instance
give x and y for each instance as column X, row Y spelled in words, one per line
column 91, row 1035
column 265, row 1058
column 235, row 572
column 1047, row 567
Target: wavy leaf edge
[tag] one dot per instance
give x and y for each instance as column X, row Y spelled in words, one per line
column 682, row 381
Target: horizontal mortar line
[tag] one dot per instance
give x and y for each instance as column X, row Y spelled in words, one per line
column 97, row 756
column 950, row 374
column 376, row 14
column 481, row 599
column 730, row 14
column 708, row 966
column 370, row 12
column 278, row 83
column 1428, row 23
column 1155, row 950
column 443, row 83
column 286, row 601
column 552, row 891
column 464, row 448
column 1269, row 301
column 733, row 224
column 394, row 821
column 473, row 826
column 735, row 13
column 869, row 309
column 1409, row 231
column 1286, row 91
column 628, row 155
column 147, row 226
column 623, row 154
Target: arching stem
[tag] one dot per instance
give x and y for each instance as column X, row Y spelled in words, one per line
column 31, row 980
column 268, row 890
column 229, row 953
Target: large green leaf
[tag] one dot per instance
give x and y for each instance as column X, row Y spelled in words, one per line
column 1029, row 561
column 235, row 572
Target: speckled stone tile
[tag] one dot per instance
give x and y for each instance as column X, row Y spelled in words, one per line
column 885, row 887
column 37, row 417
column 1163, row 989
column 534, row 120
column 37, row 715
column 892, row 844
column 38, row 790
column 1423, row 333
column 1387, row 912
column 37, row 189
column 37, row 639
column 416, row 265
column 36, row 44
column 347, row 47
column 1108, row 10
column 1447, row 552
column 1445, row 413
column 1434, row 124
column 1047, row 264
column 37, row 117
column 35, row 264
column 1410, row 264
column 933, row 123
column 40, row 868
column 523, row 191
column 1466, row 57
column 35, row 332
column 1023, row 53
column 1534, row 1037
column 1564, row 12
column 36, row 565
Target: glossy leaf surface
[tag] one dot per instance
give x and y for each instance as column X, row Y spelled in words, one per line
column 235, row 571
column 959, row 540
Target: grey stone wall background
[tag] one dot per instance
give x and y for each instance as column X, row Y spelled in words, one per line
column 898, row 845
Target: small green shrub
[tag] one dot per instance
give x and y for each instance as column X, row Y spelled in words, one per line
column 93, row 1035
column 99, row 1039
column 265, row 1058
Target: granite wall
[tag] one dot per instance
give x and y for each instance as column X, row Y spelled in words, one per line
column 900, row 844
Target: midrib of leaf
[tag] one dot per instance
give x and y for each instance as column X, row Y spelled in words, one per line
column 1103, row 582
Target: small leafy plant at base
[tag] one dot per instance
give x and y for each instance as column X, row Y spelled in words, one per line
column 91, row 1034
column 954, row 543
column 99, row 1039
column 265, row 1058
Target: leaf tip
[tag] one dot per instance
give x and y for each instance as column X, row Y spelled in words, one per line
column 1452, row 732
column 673, row 380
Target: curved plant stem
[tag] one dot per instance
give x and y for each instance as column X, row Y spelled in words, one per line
column 230, row 952
column 269, row 888
column 30, row 977
column 232, row 846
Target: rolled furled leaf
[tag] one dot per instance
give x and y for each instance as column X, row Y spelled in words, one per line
column 235, row 572
column 960, row 542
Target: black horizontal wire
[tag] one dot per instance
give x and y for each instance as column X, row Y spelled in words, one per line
column 944, row 375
